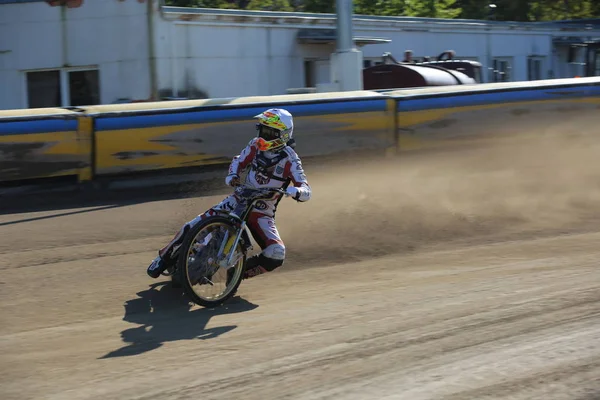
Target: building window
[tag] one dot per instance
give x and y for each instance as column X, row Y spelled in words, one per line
column 84, row 88
column 43, row 89
column 534, row 68
column 62, row 87
column 309, row 73
column 502, row 70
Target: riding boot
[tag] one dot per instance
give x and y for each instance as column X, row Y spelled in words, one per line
column 253, row 267
column 157, row 267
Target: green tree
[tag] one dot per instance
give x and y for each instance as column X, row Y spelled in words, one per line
column 316, row 6
column 270, row 5
column 572, row 9
column 380, row 7
column 412, row 8
column 539, row 10
column 505, row 10
column 432, row 8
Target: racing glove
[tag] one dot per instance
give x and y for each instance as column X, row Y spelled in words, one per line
column 293, row 192
column 232, row 180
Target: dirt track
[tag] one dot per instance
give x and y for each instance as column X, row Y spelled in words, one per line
column 442, row 276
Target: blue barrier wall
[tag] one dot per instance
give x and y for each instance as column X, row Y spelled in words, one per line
column 192, row 133
column 125, row 138
column 434, row 117
column 41, row 143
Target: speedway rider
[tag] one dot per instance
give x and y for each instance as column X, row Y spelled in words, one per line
column 271, row 162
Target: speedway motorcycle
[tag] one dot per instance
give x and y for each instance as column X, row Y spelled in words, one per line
column 210, row 261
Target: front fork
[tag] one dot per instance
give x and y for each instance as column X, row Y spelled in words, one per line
column 228, row 246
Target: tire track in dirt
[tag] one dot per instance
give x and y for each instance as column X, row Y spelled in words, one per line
column 452, row 275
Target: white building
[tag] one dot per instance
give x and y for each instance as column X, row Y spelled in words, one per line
column 106, row 51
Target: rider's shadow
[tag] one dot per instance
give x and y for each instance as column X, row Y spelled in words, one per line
column 164, row 315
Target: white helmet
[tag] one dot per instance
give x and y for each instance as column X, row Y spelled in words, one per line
column 275, row 128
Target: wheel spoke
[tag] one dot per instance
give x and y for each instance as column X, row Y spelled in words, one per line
column 205, row 281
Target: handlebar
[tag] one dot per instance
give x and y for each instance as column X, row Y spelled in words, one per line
column 266, row 189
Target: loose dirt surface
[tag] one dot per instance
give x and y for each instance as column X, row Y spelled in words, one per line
column 442, row 275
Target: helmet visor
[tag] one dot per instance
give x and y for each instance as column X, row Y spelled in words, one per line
column 268, row 133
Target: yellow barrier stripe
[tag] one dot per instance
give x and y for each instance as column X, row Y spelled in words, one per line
column 407, row 119
column 381, row 124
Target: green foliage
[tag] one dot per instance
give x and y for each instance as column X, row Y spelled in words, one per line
column 520, row 10
column 316, row 6
column 432, row 8
column 506, row 10
column 380, row 7
column 270, row 5
column 412, row 8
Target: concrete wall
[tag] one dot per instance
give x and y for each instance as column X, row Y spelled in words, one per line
column 259, row 53
column 108, row 35
column 222, row 61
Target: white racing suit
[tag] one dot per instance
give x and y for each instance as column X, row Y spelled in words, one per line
column 265, row 170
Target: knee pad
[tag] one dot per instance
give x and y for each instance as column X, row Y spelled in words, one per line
column 271, row 258
column 275, row 251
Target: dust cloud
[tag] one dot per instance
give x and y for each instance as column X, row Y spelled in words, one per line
column 364, row 208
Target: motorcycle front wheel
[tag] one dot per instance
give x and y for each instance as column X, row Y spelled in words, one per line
column 204, row 282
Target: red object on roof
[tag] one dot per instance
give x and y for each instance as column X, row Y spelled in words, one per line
column 68, row 3
column 73, row 3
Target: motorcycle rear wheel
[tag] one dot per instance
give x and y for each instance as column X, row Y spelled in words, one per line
column 189, row 279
